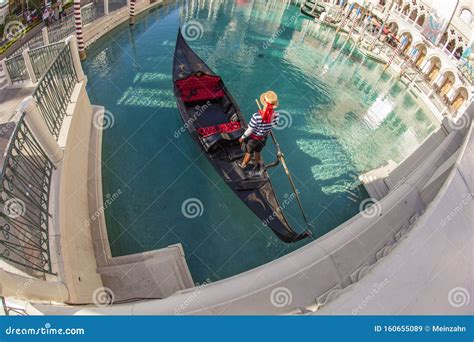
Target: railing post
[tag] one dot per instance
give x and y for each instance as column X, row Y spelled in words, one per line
column 106, row 7
column 76, row 60
column 38, row 126
column 44, row 33
column 7, row 75
column 29, row 66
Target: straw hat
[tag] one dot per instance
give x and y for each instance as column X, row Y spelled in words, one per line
column 269, row 97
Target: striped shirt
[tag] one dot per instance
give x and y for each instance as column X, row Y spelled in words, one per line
column 259, row 128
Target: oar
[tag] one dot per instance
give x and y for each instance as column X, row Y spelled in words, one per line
column 281, row 158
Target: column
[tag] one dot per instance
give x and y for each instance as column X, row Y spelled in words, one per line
column 414, row 54
column 7, row 75
column 76, row 60
column 416, row 20
column 445, row 45
column 364, row 28
column 78, row 24
column 38, row 126
column 450, row 94
column 131, row 18
column 44, row 33
column 106, row 7
column 426, row 66
column 439, row 80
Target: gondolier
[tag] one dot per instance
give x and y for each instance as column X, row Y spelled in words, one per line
column 259, row 128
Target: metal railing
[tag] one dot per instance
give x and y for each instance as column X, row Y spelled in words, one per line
column 25, row 186
column 52, row 95
column 92, row 11
column 16, row 68
column 32, row 43
column 59, row 30
column 41, row 58
column 116, row 4
column 26, row 170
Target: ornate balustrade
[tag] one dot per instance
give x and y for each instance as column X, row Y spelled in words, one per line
column 24, row 197
column 16, row 68
column 52, row 95
column 29, row 155
column 42, row 57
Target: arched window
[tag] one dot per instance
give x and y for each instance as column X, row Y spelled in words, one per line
column 458, row 52
column 451, row 45
column 421, row 20
column 406, row 9
column 466, row 16
column 413, row 14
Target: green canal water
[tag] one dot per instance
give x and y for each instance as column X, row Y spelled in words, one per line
column 341, row 117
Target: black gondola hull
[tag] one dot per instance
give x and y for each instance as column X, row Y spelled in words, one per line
column 223, row 150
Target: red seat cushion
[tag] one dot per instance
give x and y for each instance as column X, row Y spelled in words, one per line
column 222, row 128
column 200, row 88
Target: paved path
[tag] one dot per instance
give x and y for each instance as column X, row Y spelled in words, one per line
column 10, row 99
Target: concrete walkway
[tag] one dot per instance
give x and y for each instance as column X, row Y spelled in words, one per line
column 10, row 98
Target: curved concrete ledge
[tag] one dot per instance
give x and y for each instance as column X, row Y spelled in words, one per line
column 436, row 261
column 312, row 276
column 78, row 264
column 14, row 285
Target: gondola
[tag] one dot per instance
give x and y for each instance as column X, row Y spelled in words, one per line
column 311, row 11
column 212, row 117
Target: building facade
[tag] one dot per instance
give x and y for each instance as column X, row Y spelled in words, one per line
column 436, row 38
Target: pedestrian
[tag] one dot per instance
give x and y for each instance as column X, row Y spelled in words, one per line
column 46, row 17
column 52, row 15
column 61, row 12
